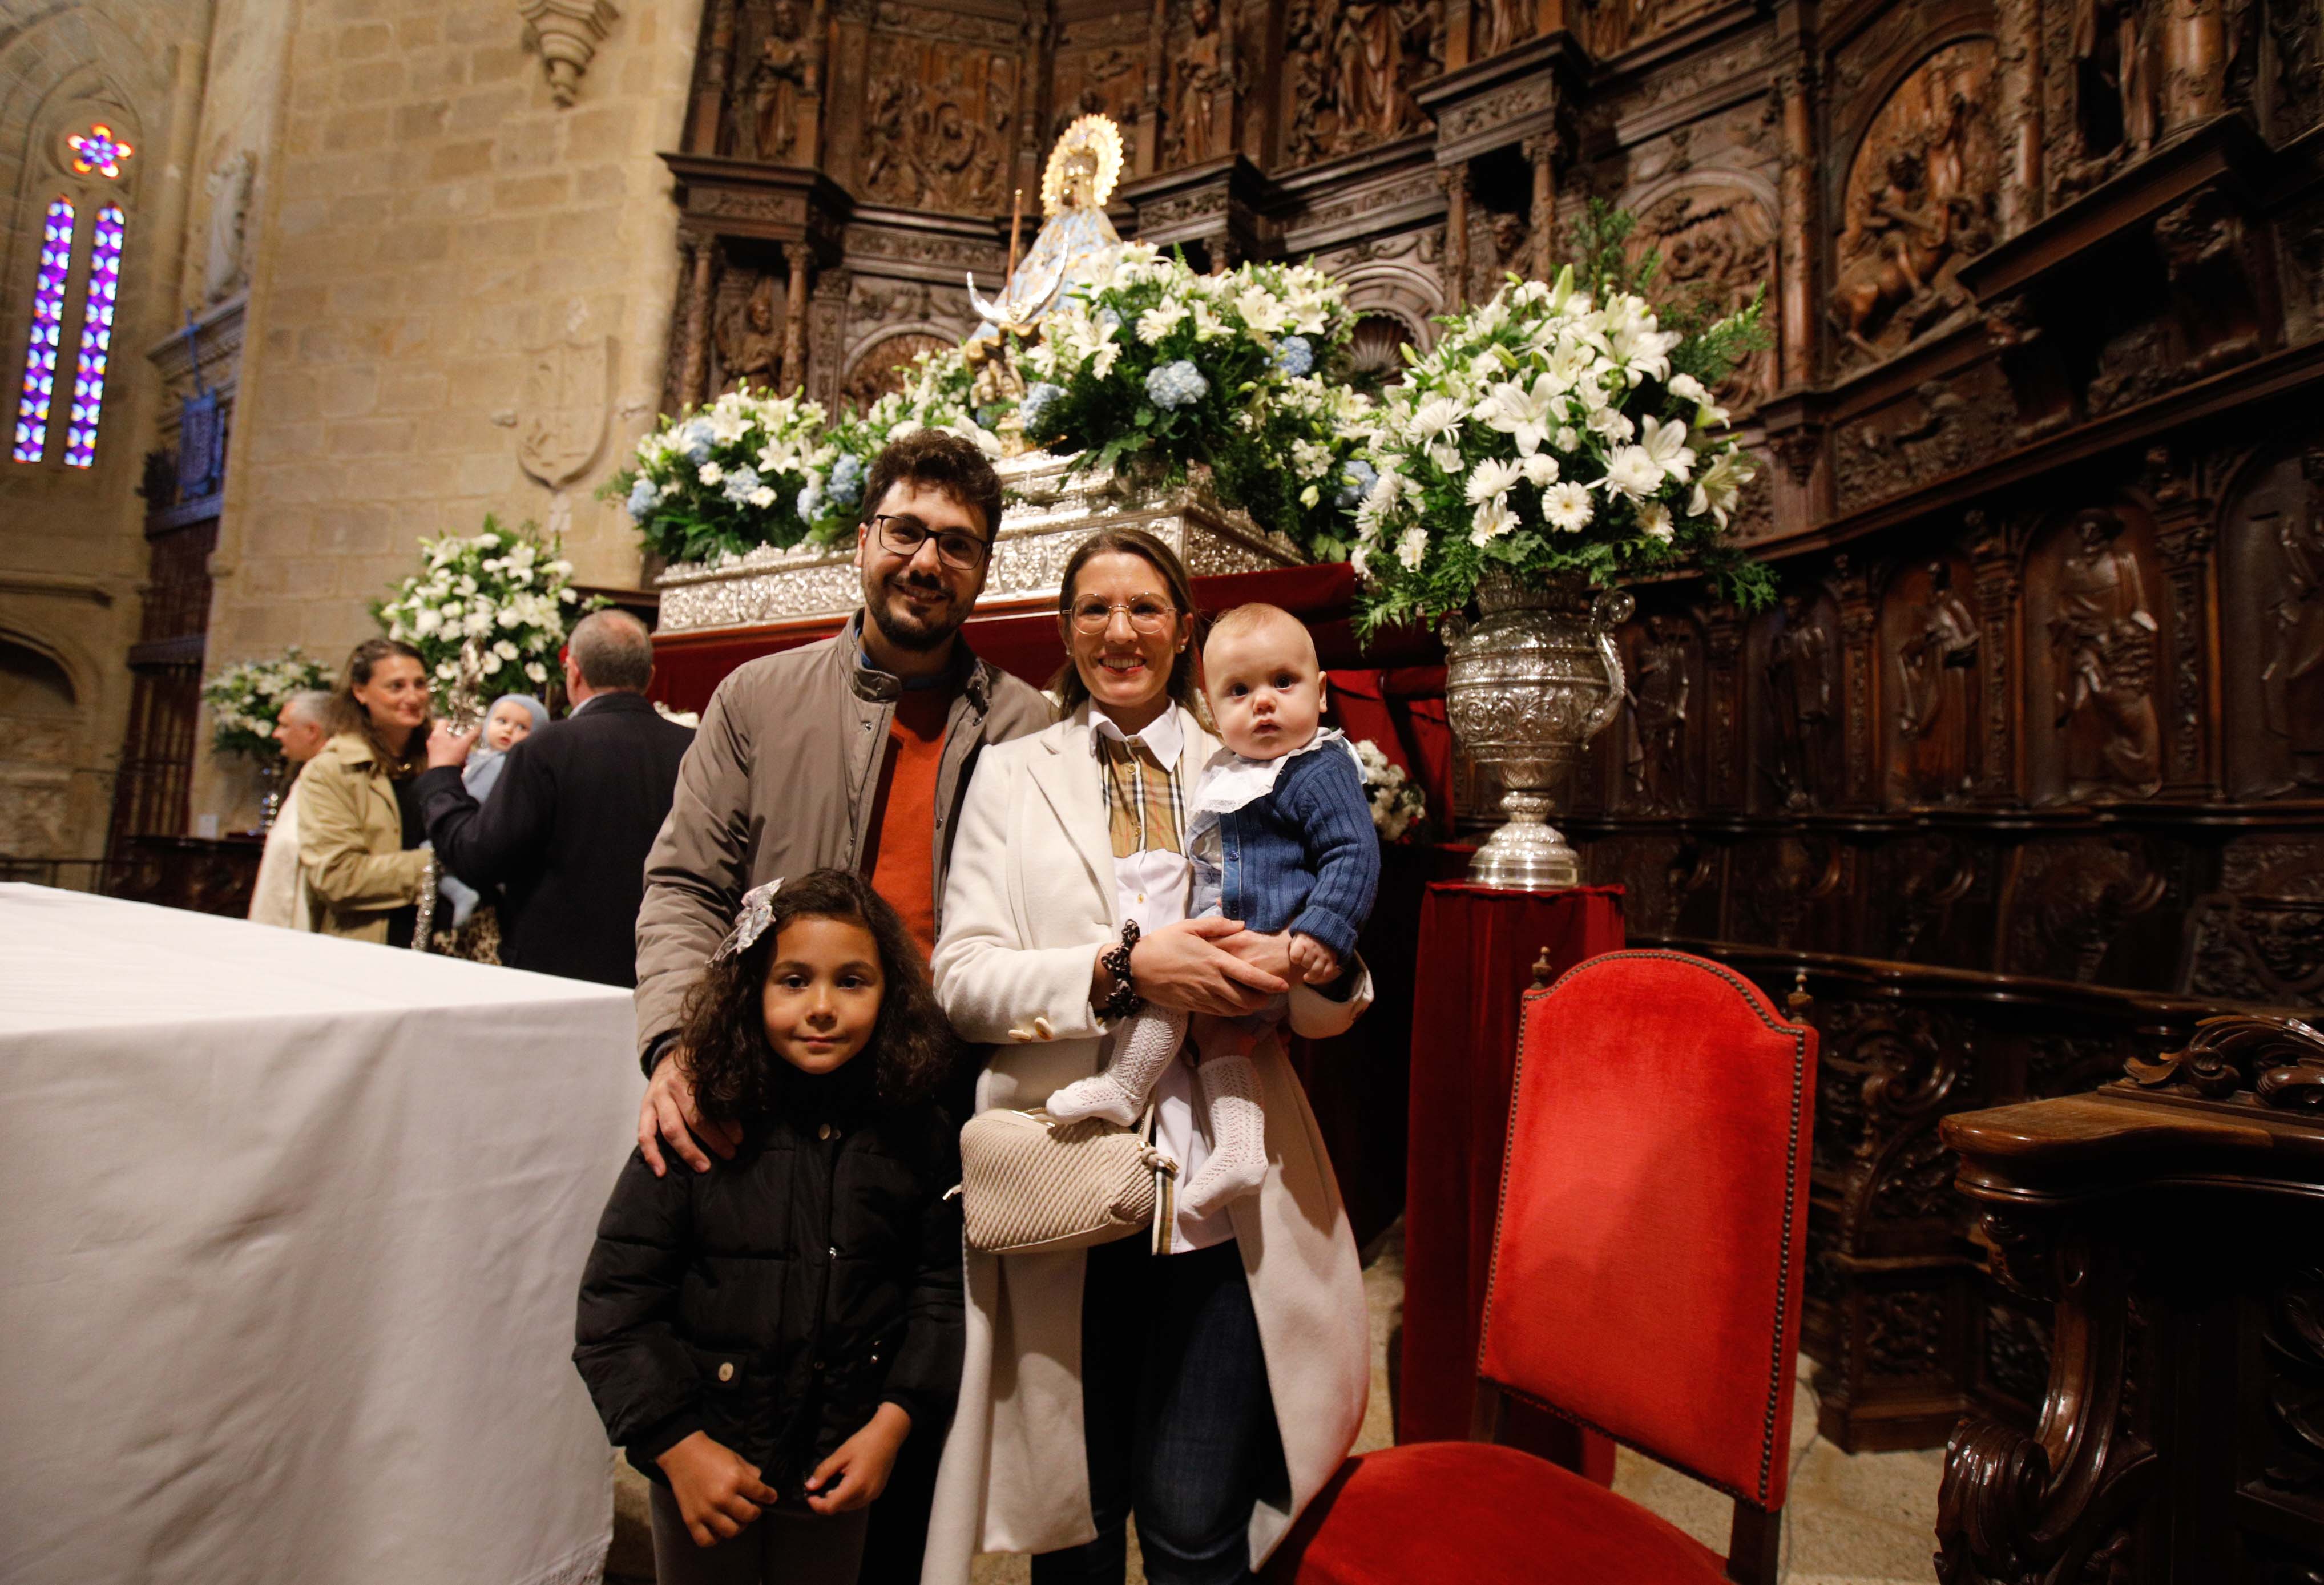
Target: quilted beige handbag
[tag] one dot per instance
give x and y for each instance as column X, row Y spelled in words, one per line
column 1029, row 1183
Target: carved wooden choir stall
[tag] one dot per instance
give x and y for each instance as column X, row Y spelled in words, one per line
column 2026, row 770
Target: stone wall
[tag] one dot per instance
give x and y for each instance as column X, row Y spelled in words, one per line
column 434, row 230
column 71, row 556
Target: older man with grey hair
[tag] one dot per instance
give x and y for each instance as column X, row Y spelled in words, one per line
column 302, row 726
column 565, row 834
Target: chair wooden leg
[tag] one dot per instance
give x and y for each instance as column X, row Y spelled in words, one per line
column 1488, row 1413
column 1754, row 1545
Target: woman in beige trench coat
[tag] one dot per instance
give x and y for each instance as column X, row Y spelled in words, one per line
column 1036, row 894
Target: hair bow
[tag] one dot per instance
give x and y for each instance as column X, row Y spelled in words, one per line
column 758, row 911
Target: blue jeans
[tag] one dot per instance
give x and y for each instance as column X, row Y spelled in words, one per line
column 1176, row 1415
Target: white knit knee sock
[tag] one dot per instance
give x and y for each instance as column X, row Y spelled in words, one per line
column 1119, row 1094
column 1237, row 1159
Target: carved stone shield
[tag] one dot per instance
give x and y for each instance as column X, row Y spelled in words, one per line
column 561, row 415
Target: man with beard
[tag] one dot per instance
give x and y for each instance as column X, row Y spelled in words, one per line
column 854, row 751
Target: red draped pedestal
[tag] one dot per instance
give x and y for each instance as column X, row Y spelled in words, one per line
column 1478, row 947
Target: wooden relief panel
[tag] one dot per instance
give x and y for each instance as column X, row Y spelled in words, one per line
column 1718, row 238
column 1938, row 427
column 2093, row 635
column 773, row 74
column 886, row 365
column 1660, row 736
column 747, row 327
column 1930, row 690
column 1920, row 198
column 2072, row 903
column 1204, row 76
column 1348, row 67
column 1793, row 674
column 1099, row 70
column 2260, row 936
column 2273, row 591
column 940, row 112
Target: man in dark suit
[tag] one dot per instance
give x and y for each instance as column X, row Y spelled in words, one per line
column 564, row 833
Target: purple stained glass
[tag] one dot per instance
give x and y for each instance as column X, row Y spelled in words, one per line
column 95, row 338
column 48, row 332
column 99, row 151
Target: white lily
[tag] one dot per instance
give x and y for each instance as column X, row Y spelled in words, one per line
column 1667, row 443
column 1527, row 415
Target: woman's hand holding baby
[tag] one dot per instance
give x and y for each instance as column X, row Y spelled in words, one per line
column 862, row 1464
column 718, row 1490
column 1313, row 960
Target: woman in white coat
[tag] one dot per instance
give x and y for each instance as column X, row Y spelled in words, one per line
column 1213, row 1389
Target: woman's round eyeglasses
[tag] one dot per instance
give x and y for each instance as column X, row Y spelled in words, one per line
column 904, row 536
column 1146, row 615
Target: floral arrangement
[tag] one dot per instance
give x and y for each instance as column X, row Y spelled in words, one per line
column 246, row 698
column 1175, row 369
column 1558, row 431
column 939, row 395
column 1395, row 803
column 505, row 591
column 725, row 478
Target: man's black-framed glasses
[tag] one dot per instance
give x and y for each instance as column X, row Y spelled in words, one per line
column 903, row 535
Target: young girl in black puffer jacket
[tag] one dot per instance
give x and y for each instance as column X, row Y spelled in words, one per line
column 762, row 1338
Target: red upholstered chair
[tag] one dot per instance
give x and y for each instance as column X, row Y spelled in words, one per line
column 1645, row 1284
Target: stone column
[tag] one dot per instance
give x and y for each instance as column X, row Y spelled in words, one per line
column 1797, row 246
column 1541, row 151
column 2194, row 63
column 1999, row 583
column 2019, row 112
column 710, row 96
column 2185, row 535
column 799, row 259
column 1455, row 178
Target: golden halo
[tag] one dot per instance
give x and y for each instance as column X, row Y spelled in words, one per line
column 1098, row 135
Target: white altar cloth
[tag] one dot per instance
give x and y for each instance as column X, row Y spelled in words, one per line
column 291, row 1230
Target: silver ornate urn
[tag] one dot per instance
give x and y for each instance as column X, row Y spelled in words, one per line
column 1526, row 687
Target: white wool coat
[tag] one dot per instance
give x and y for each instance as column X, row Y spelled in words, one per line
column 1031, row 900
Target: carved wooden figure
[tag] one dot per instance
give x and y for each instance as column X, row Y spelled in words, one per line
column 2102, row 650
column 1935, row 646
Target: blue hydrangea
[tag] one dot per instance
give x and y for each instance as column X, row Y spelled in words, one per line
column 696, row 439
column 1173, row 385
column 740, row 483
column 1294, row 355
column 644, row 495
column 810, row 500
column 1355, row 484
column 1037, row 401
column 845, row 486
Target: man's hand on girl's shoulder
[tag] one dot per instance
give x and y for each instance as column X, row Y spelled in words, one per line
column 668, row 1112
column 718, row 1490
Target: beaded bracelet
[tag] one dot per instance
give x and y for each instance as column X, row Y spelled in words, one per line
column 1124, row 1000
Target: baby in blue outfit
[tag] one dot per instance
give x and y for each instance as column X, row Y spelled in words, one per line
column 1281, row 839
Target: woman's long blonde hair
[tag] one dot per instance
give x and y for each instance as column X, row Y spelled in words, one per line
column 347, row 714
column 1071, row 691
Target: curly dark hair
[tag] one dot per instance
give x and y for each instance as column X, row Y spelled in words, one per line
column 939, row 460
column 737, row 1075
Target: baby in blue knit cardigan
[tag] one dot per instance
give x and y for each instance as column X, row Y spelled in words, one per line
column 1281, row 839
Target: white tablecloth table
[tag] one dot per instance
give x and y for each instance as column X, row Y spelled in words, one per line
column 291, row 1230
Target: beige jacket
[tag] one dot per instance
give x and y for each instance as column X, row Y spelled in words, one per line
column 351, row 852
column 279, row 896
column 1031, row 899
column 781, row 780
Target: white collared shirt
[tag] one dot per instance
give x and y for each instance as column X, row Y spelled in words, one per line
column 1153, row 887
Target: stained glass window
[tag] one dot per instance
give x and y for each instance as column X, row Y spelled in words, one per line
column 48, row 332
column 99, row 151
column 95, row 338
